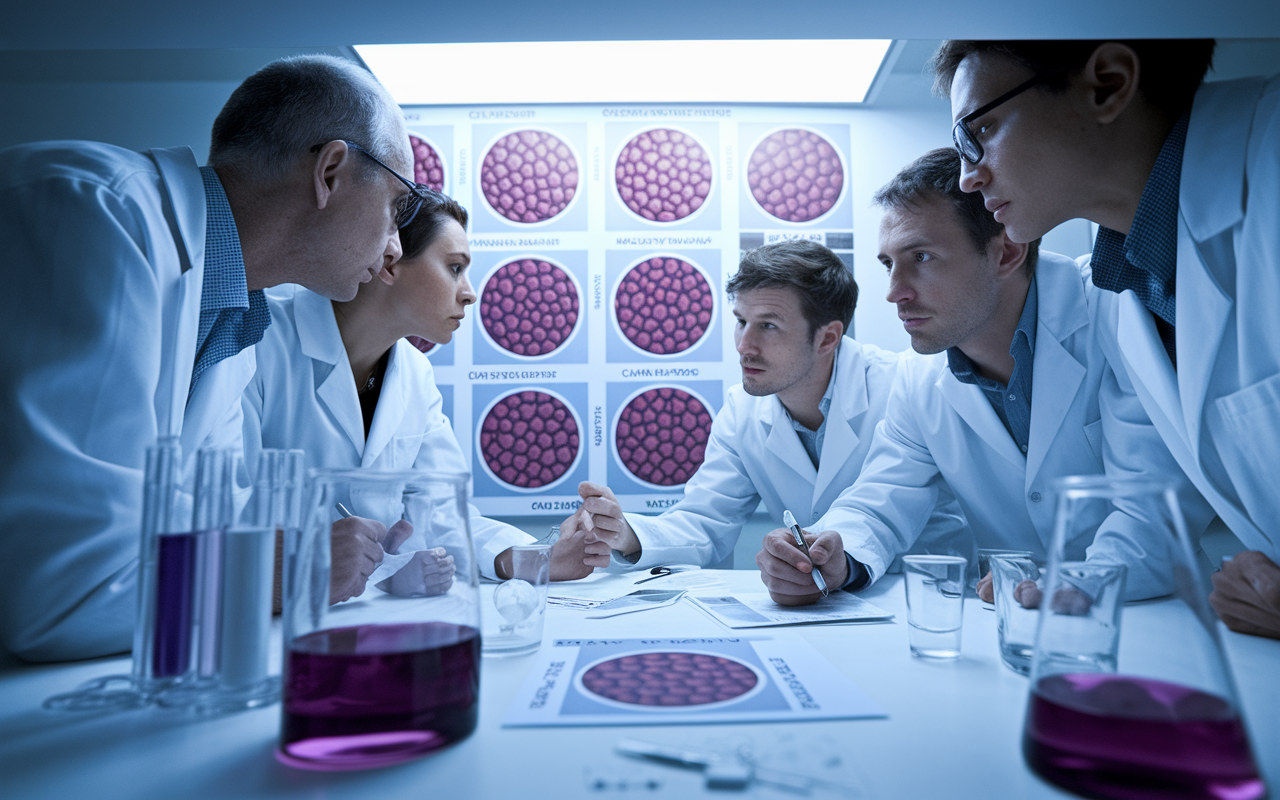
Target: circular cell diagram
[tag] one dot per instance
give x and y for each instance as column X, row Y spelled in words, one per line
column 663, row 175
column 428, row 168
column 670, row 680
column 529, row 439
column 663, row 305
column 420, row 343
column 529, row 307
column 529, row 176
column 661, row 435
column 795, row 175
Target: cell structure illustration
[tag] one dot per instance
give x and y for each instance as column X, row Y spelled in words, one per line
column 529, row 307
column 795, row 175
column 420, row 343
column 529, row 176
column 663, row 305
column 661, row 436
column 670, row 680
column 428, row 169
column 663, row 175
column 529, row 439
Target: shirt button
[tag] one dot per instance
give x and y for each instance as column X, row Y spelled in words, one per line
column 1012, row 397
column 1035, row 497
column 1024, row 448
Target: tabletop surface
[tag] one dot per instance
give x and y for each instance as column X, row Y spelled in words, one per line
column 953, row 728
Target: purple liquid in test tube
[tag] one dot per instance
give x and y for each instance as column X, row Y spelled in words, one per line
column 175, row 574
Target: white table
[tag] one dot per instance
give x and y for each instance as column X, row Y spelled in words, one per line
column 953, row 730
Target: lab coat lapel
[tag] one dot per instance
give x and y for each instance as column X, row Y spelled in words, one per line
column 1146, row 361
column 784, row 443
column 848, row 402
column 392, row 402
column 976, row 411
column 1201, row 325
column 184, row 190
column 320, row 341
column 1056, row 374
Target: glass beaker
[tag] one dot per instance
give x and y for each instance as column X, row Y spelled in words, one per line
column 379, row 675
column 1159, row 719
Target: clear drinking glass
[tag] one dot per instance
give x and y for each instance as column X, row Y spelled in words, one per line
column 513, row 620
column 1160, row 718
column 985, row 554
column 384, row 676
column 935, row 604
column 1014, row 583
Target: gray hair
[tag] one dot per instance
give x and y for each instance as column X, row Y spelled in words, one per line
column 284, row 109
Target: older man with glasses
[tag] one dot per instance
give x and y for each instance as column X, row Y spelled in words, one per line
column 133, row 306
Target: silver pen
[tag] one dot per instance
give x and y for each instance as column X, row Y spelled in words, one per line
column 789, row 520
column 343, row 511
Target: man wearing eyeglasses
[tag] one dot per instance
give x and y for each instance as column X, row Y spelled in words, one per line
column 1183, row 178
column 133, row 304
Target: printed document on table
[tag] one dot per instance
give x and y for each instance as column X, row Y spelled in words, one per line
column 757, row 610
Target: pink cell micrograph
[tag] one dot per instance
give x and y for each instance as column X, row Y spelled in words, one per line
column 669, row 679
column 529, row 176
column 663, row 305
column 795, row 175
column 529, row 307
column 529, row 439
column 662, row 436
column 663, row 175
column 420, row 343
column 428, row 169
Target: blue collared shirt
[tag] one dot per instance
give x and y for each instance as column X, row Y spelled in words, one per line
column 231, row 317
column 1146, row 260
column 1012, row 401
column 812, row 440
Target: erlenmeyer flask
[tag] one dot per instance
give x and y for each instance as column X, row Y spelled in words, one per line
column 1149, row 711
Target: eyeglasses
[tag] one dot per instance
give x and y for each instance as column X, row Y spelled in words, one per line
column 407, row 207
column 966, row 143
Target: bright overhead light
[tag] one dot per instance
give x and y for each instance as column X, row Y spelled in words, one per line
column 707, row 71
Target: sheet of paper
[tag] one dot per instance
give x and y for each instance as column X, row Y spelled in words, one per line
column 600, row 587
column 781, row 678
column 757, row 610
column 639, row 600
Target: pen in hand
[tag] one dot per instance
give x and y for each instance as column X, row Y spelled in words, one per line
column 789, row 520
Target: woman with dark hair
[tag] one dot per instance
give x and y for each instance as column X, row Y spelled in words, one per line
column 340, row 381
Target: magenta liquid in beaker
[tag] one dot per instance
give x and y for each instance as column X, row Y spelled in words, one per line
column 375, row 695
column 1111, row 736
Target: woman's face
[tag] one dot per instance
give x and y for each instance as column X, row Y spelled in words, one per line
column 434, row 288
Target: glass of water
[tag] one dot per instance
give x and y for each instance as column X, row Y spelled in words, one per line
column 935, row 604
column 1017, row 597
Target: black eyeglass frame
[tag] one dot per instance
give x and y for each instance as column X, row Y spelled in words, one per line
column 960, row 133
column 407, row 207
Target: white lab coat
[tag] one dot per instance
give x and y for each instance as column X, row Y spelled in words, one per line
column 104, row 250
column 755, row 453
column 304, row 396
column 1219, row 413
column 1085, row 420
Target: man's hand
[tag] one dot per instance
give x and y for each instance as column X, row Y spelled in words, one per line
column 568, row 554
column 786, row 572
column 1246, row 594
column 606, row 528
column 986, row 588
column 355, row 550
column 429, row 572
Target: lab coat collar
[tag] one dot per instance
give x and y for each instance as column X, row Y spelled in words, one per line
column 1211, row 198
column 320, row 340
column 848, row 402
column 392, row 402
column 1057, row 374
column 184, row 191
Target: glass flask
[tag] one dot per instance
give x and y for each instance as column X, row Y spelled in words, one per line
column 1147, row 712
column 380, row 666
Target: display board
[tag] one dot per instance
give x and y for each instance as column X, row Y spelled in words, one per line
column 601, row 346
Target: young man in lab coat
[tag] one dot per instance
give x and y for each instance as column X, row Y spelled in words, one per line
column 1016, row 392
column 1183, row 178
column 131, row 311
column 794, row 433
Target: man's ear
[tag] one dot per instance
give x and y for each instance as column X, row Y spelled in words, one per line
column 327, row 171
column 828, row 336
column 1111, row 77
column 1012, row 255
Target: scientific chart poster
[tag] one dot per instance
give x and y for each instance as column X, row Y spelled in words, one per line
column 601, row 347
column 577, row 682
